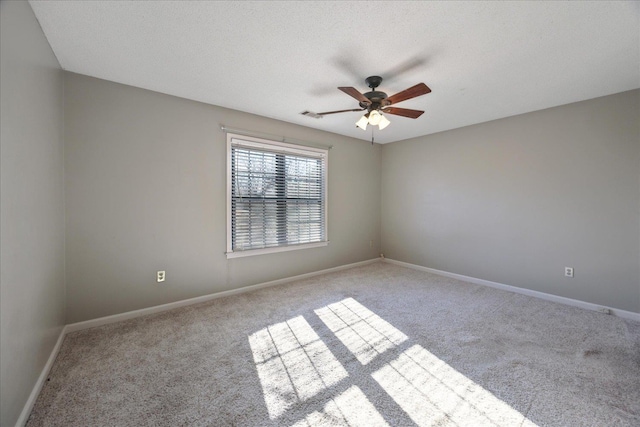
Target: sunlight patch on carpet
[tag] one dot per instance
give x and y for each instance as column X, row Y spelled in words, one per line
column 433, row 393
column 363, row 332
column 293, row 364
column 350, row 408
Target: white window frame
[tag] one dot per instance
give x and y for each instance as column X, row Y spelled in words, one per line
column 286, row 148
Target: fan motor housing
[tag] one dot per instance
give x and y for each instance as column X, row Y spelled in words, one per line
column 376, row 98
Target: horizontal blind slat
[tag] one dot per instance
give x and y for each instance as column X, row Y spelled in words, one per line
column 277, row 198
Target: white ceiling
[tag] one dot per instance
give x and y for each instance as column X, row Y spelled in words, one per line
column 482, row 60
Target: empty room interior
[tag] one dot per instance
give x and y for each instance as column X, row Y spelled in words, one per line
column 320, row 213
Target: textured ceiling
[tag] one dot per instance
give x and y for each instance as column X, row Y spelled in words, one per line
column 483, row 60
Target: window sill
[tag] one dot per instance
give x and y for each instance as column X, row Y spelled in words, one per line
column 251, row 252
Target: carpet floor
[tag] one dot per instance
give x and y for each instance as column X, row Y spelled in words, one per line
column 375, row 345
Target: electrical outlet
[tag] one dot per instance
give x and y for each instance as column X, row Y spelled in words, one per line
column 568, row 271
column 161, row 276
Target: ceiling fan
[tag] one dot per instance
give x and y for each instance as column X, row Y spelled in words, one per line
column 377, row 102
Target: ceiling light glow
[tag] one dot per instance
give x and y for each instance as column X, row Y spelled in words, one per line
column 384, row 122
column 374, row 118
column 362, row 123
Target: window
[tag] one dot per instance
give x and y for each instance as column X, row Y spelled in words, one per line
column 276, row 196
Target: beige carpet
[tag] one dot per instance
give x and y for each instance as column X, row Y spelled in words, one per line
column 375, row 345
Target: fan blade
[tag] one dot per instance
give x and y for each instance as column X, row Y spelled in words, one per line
column 352, row 91
column 339, row 111
column 412, row 92
column 404, row 112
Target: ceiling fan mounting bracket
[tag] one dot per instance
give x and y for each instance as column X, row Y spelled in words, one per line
column 373, row 81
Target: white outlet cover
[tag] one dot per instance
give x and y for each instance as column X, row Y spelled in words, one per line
column 568, row 271
column 161, row 276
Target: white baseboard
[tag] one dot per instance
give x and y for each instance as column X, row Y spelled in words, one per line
column 170, row 306
column 549, row 297
column 26, row 410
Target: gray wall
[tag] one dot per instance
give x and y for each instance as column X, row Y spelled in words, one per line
column 516, row 200
column 31, row 205
column 146, row 188
column 513, row 201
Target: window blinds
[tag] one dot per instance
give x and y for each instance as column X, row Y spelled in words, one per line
column 277, row 195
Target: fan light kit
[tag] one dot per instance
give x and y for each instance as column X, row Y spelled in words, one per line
column 376, row 103
column 374, row 118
